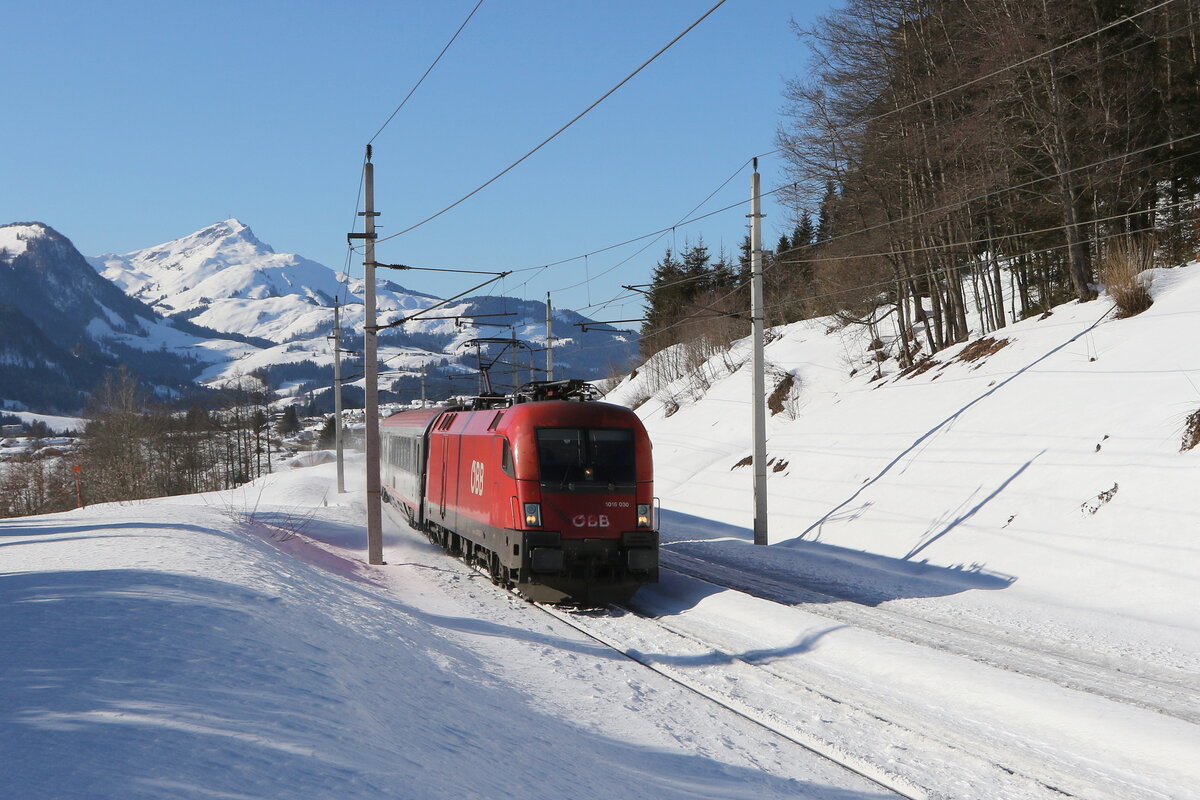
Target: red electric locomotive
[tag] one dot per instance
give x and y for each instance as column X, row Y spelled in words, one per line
column 548, row 490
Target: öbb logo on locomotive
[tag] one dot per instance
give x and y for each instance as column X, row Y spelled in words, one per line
column 477, row 478
column 548, row 490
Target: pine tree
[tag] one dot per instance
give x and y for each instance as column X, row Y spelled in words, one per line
column 802, row 235
column 695, row 271
column 825, row 217
column 724, row 277
column 289, row 423
column 663, row 303
column 744, row 260
column 328, row 434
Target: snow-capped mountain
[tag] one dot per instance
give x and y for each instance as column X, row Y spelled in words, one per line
column 38, row 263
column 62, row 326
column 219, row 304
column 224, row 278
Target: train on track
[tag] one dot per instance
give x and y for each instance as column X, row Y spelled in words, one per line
column 548, row 490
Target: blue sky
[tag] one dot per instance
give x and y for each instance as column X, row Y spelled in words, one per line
column 132, row 123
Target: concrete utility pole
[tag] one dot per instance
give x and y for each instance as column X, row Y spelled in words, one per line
column 422, row 386
column 758, row 401
column 337, row 397
column 516, row 360
column 549, row 343
column 371, row 370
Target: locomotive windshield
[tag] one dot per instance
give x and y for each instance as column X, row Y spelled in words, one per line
column 586, row 459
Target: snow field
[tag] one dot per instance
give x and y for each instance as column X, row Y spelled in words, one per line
column 194, row 647
column 236, row 645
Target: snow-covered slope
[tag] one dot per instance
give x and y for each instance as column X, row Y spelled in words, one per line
column 224, row 278
column 983, row 582
column 62, row 326
column 201, row 647
column 1052, row 456
column 1046, row 456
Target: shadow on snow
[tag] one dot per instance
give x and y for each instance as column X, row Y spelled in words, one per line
column 800, row 571
column 136, row 683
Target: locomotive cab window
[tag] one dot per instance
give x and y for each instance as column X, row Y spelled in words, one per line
column 506, row 461
column 586, row 459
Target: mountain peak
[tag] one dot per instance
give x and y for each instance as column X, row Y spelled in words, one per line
column 14, row 237
column 226, row 232
column 218, row 275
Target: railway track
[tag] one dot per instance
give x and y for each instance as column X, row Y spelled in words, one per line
column 902, row 749
column 909, row 754
column 584, row 622
column 829, row 721
column 1162, row 694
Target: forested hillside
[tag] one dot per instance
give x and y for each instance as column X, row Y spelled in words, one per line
column 951, row 153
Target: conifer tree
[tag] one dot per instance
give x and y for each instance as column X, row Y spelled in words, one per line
column 695, row 271
column 783, row 245
column 802, row 235
column 289, row 423
column 826, row 214
column 328, row 435
column 664, row 302
column 724, row 276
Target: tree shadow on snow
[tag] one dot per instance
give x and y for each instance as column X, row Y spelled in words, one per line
column 52, row 527
column 799, row 571
column 133, row 683
column 834, row 512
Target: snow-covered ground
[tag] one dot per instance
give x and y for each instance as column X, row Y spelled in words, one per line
column 1034, row 498
column 197, row 648
column 982, row 583
column 55, row 423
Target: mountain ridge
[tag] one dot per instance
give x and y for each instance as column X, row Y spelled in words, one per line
column 73, row 325
column 217, row 305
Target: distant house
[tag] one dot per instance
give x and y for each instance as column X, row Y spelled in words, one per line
column 11, row 430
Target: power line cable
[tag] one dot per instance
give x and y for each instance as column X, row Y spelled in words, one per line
column 540, row 269
column 358, row 193
column 998, row 237
column 1006, row 68
column 662, row 231
column 891, row 281
column 555, row 135
column 688, row 221
column 353, row 223
column 427, row 71
column 824, row 295
column 846, row 290
column 1010, row 188
column 682, row 220
column 658, row 233
column 954, row 121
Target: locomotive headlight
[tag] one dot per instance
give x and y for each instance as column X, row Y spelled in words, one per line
column 533, row 515
column 643, row 515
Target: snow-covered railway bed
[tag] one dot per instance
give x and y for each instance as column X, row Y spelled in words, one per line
column 912, row 758
column 1132, row 682
column 924, row 721
column 728, row 688
column 920, row 720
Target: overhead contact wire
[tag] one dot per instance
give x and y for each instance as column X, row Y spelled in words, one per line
column 427, row 71
column 555, row 135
